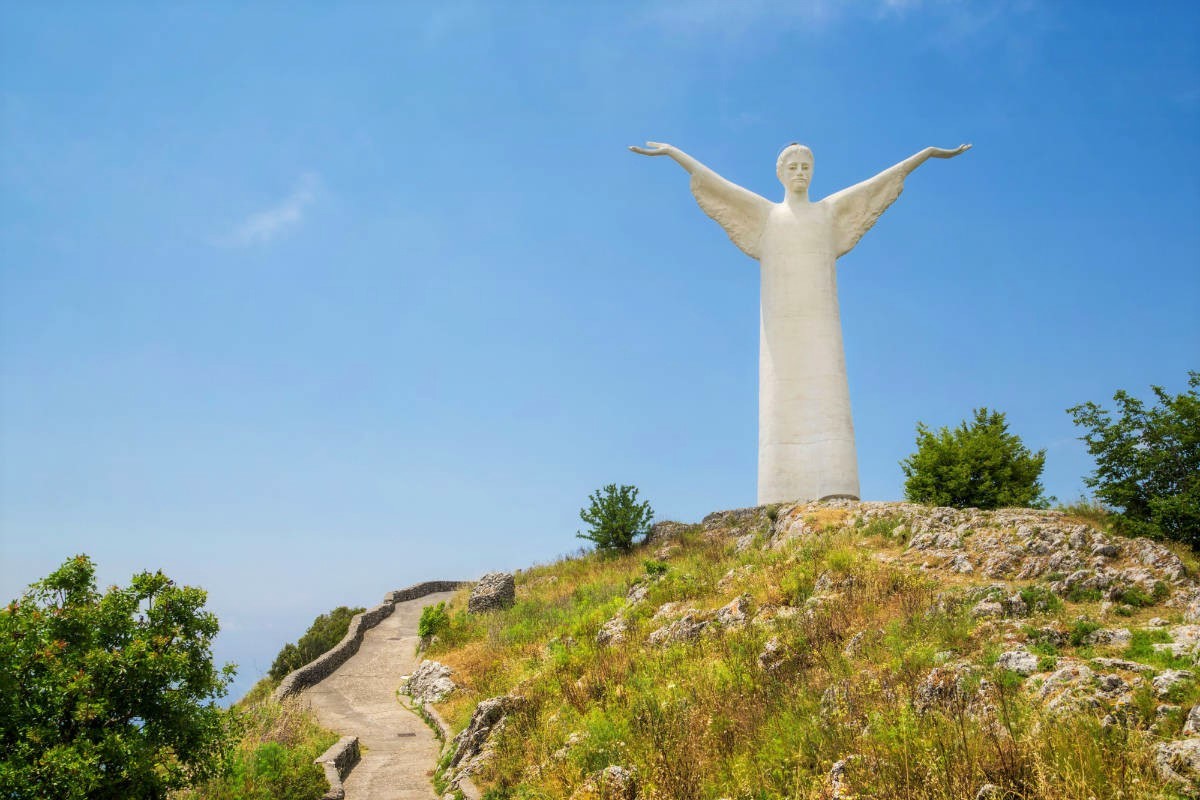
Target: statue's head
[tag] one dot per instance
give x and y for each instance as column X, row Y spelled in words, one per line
column 794, row 168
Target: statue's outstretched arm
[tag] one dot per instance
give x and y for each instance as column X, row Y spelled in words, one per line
column 742, row 213
column 681, row 158
column 856, row 208
column 909, row 164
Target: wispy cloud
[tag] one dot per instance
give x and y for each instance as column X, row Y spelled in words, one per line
column 264, row 226
column 951, row 22
column 696, row 16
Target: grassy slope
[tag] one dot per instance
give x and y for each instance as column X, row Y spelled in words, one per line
column 705, row 719
column 273, row 759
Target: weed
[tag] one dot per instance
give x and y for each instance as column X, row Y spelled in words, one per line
column 1080, row 594
column 655, row 568
column 1080, row 631
column 1039, row 598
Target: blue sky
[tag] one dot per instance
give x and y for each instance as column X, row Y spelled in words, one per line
column 303, row 302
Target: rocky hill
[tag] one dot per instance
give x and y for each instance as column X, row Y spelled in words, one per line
column 836, row 650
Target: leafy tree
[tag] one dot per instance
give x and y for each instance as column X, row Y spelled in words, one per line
column 980, row 465
column 325, row 631
column 1148, row 461
column 108, row 695
column 615, row 518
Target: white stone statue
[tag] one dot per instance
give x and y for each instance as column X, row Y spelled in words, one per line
column 805, row 431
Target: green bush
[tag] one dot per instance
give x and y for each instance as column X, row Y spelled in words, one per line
column 325, row 631
column 109, row 695
column 980, row 465
column 434, row 620
column 274, row 759
column 654, row 568
column 615, row 518
column 1148, row 461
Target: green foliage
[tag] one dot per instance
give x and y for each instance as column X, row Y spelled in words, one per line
column 274, row 759
column 980, row 465
column 325, row 631
column 434, row 620
column 1141, row 648
column 1081, row 630
column 1148, row 461
column 615, row 518
column 108, row 695
column 275, row 772
column 654, row 568
column 1040, row 599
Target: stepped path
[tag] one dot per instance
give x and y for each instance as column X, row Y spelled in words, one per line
column 359, row 699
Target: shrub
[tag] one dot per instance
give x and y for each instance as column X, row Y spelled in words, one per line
column 980, row 465
column 274, row 759
column 109, row 695
column 325, row 631
column 655, row 568
column 1148, row 461
column 615, row 518
column 434, row 620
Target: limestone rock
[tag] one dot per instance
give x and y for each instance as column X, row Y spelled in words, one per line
column 472, row 747
column 685, row 629
column 672, row 610
column 1191, row 725
column 611, row 783
column 613, row 631
column 637, row 593
column 1120, row 663
column 989, row 791
column 1178, row 764
column 1069, row 688
column 839, row 785
column 665, row 531
column 1165, row 683
column 430, row 683
column 1117, row 637
column 987, row 609
column 773, row 655
column 943, row 687
column 493, row 591
column 1020, row 661
column 734, row 614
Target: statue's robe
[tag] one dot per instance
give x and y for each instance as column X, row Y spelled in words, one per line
column 805, row 429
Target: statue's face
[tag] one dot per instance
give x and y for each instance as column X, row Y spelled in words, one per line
column 795, row 169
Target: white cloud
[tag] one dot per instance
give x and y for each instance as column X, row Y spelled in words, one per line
column 264, row 226
column 951, row 22
column 696, row 16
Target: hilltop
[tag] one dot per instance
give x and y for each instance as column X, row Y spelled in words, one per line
column 835, row 650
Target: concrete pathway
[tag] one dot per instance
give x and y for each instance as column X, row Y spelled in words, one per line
column 399, row 750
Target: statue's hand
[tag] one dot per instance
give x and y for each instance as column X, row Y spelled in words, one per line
column 937, row 152
column 653, row 149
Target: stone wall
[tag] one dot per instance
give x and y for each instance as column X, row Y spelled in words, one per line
column 324, row 665
column 337, row 762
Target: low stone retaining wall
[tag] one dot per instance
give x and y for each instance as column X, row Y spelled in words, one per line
column 324, row 665
column 337, row 762
column 465, row 784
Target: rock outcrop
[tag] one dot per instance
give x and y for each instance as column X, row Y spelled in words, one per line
column 429, row 683
column 492, row 592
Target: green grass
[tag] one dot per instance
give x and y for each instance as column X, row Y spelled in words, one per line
column 274, row 759
column 705, row 720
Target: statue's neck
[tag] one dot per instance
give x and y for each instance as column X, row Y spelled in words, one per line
column 797, row 198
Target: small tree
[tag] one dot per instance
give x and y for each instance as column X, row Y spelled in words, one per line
column 325, row 631
column 108, row 695
column 1148, row 461
column 980, row 465
column 616, row 518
